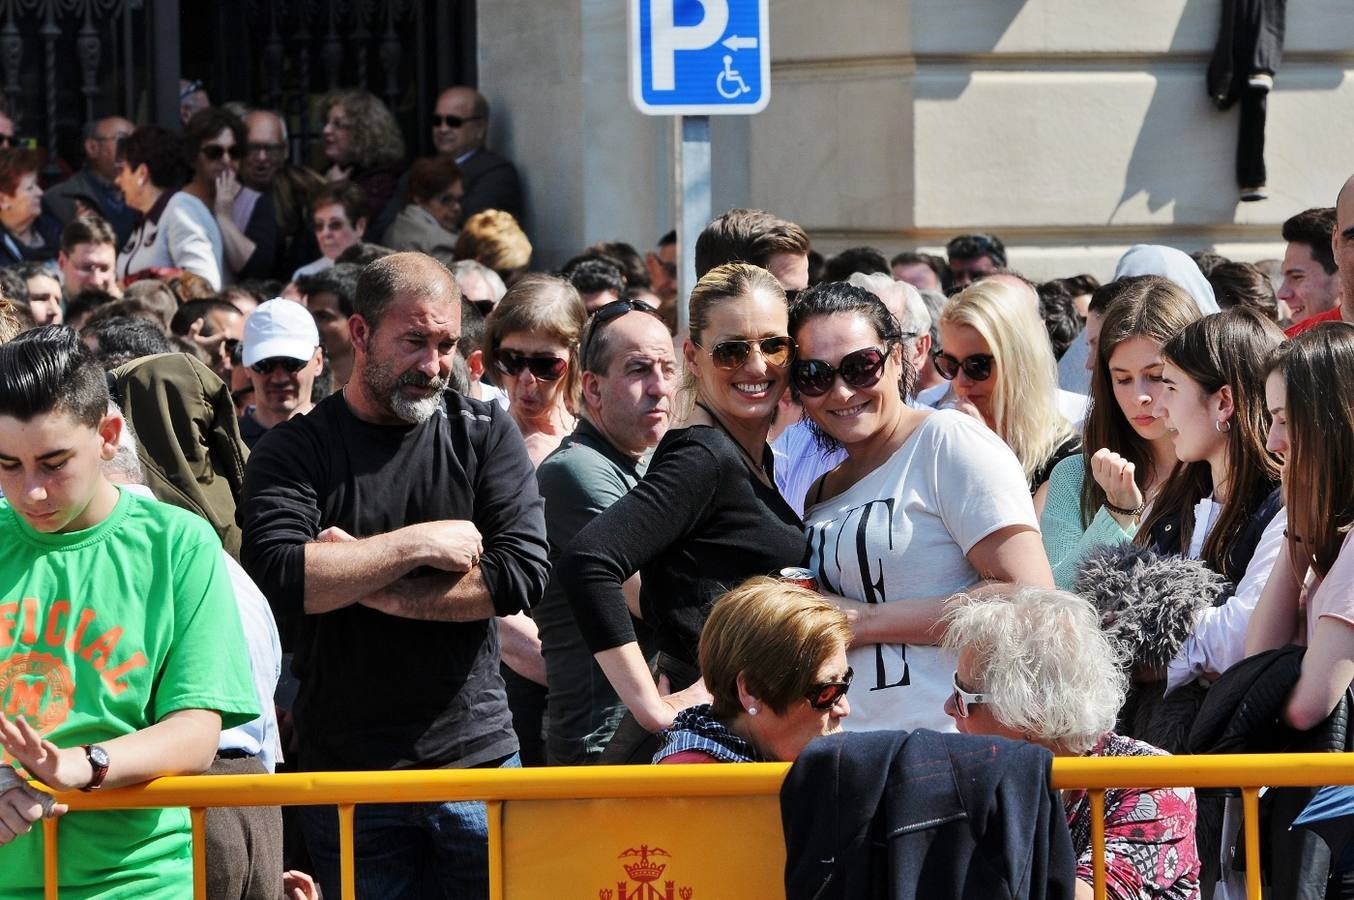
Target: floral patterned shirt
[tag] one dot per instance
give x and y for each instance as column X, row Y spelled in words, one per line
column 1149, row 834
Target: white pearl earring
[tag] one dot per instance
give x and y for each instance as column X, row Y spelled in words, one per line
column 752, row 710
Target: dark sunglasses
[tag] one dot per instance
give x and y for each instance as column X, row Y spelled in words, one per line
column 978, row 366
column 453, row 121
column 730, row 355
column 543, row 368
column 609, row 313
column 289, row 365
column 858, row 369
column 824, row 696
column 964, row 699
column 214, row 152
column 266, row 149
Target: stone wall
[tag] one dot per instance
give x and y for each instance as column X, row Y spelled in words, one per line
column 1071, row 129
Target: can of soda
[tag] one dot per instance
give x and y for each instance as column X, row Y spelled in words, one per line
column 796, row 575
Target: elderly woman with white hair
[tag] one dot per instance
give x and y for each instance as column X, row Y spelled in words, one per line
column 1034, row 665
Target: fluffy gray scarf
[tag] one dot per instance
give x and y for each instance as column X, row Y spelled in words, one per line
column 1148, row 602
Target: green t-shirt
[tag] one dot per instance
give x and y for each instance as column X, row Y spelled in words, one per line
column 104, row 632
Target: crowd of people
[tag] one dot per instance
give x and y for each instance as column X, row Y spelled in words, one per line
column 311, row 471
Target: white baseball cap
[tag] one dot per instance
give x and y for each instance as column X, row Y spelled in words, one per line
column 279, row 327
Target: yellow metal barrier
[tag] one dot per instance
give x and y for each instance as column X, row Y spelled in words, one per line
column 705, row 831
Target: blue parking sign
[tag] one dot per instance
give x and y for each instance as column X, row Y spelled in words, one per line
column 699, row 57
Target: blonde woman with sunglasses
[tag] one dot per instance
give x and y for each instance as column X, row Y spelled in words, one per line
column 925, row 504
column 1000, row 365
column 705, row 517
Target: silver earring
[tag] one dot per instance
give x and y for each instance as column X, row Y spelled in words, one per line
column 1218, row 425
column 752, row 710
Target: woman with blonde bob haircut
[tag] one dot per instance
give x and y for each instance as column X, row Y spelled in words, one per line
column 493, row 238
column 1034, row 665
column 997, row 356
column 774, row 659
column 531, row 342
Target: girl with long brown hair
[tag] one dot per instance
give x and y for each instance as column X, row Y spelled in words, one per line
column 1097, row 497
column 1220, row 504
column 1310, row 593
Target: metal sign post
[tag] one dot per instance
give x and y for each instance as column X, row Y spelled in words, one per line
column 691, row 201
column 692, row 67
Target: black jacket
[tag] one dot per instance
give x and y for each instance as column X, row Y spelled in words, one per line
column 1250, row 45
column 919, row 814
column 1243, row 713
column 490, row 181
column 1165, row 539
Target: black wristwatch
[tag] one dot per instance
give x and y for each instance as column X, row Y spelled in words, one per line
column 98, row 761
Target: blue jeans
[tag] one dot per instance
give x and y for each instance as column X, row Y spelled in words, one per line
column 419, row 851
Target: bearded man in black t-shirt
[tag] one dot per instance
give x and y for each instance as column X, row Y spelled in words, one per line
column 393, row 523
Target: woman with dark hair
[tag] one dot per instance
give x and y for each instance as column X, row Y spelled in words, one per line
column 1310, row 593
column 773, row 656
column 925, row 505
column 1097, row 497
column 24, row 235
column 433, row 214
column 214, row 142
column 706, row 516
column 1221, row 503
column 363, row 145
column 531, row 342
column 177, row 230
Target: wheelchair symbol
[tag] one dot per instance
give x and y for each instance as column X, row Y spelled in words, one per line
column 730, row 83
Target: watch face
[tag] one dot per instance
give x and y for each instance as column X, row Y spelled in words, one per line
column 98, row 756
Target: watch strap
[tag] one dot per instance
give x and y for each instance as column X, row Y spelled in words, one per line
column 99, row 770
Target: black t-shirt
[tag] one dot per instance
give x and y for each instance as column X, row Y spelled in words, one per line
column 698, row 524
column 250, row 429
column 380, row 691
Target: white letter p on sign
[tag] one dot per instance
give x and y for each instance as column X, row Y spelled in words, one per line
column 668, row 37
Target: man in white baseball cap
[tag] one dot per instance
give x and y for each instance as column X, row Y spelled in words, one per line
column 281, row 349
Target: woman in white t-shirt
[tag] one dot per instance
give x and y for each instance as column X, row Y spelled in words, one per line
column 1309, row 597
column 925, row 505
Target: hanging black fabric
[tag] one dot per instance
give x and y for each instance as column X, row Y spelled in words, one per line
column 1249, row 48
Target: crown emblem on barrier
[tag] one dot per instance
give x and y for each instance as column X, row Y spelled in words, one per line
column 645, row 874
column 645, row 870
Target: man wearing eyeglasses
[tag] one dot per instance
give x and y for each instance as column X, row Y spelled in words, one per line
column 460, row 124
column 92, row 187
column 267, row 169
column 281, row 349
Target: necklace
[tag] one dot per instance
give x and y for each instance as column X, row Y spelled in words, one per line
column 751, row 460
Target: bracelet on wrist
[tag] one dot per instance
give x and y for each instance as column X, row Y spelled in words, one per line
column 1131, row 513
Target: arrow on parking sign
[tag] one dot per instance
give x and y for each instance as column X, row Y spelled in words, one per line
column 736, row 43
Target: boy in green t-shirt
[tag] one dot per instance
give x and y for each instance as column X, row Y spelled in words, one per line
column 121, row 651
